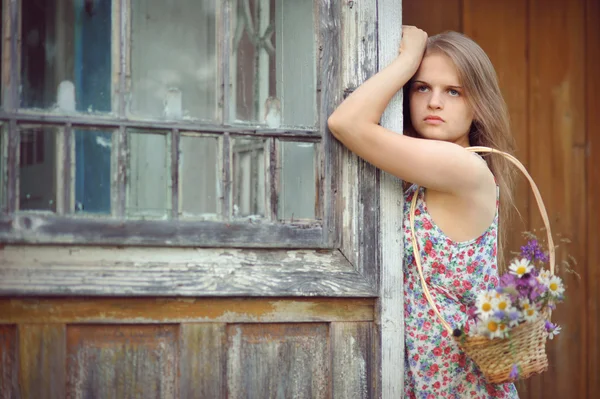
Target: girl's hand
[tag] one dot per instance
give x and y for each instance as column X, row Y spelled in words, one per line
column 413, row 43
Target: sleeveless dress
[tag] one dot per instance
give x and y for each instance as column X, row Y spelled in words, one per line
column 435, row 367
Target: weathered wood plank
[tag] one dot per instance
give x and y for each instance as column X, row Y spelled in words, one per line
column 278, row 361
column 557, row 127
column 592, row 273
column 202, row 360
column 433, row 16
column 122, row 362
column 31, row 228
column 42, row 360
column 329, row 19
column 352, row 360
column 9, row 368
column 188, row 272
column 482, row 20
column 39, row 117
column 391, row 304
column 184, row 310
column 359, row 180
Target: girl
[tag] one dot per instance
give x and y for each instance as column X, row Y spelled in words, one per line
column 452, row 101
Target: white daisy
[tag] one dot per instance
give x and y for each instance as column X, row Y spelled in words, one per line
column 554, row 332
column 519, row 267
column 544, row 276
column 555, row 286
column 529, row 311
column 490, row 328
column 485, row 305
column 503, row 330
column 502, row 303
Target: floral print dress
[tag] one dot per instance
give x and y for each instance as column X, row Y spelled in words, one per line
column 435, row 367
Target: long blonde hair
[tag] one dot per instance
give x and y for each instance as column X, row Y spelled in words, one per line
column 491, row 126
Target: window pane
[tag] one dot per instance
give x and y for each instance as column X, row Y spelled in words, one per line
column 174, row 59
column 93, row 150
column 66, row 55
column 38, row 169
column 199, row 176
column 248, row 163
column 298, row 181
column 149, row 175
column 273, row 70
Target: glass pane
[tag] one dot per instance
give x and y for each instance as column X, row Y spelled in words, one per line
column 174, row 59
column 38, row 168
column 298, row 181
column 66, row 55
column 93, row 150
column 248, row 164
column 149, row 175
column 273, row 66
column 199, row 176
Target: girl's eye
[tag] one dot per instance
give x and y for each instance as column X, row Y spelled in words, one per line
column 422, row 89
column 453, row 93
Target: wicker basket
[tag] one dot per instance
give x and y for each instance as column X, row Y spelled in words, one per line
column 526, row 346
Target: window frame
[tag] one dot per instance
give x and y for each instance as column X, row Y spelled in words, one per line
column 66, row 227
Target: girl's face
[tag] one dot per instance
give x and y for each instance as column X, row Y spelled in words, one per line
column 438, row 107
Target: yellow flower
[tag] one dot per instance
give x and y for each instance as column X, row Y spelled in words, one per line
column 520, row 266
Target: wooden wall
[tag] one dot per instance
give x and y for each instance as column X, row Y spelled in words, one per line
column 547, row 54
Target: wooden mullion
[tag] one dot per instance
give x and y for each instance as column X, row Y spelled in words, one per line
column 124, row 36
column 226, row 183
column 65, row 168
column 273, row 180
column 175, row 183
column 107, row 121
column 122, row 158
column 224, row 35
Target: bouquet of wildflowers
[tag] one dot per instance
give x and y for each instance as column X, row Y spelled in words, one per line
column 524, row 291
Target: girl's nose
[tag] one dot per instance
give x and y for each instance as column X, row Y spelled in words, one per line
column 435, row 100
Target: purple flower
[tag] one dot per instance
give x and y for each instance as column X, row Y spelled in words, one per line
column 514, row 372
column 534, row 252
column 549, row 326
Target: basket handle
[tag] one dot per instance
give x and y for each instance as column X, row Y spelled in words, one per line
column 538, row 199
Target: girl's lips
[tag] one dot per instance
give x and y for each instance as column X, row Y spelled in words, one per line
column 434, row 121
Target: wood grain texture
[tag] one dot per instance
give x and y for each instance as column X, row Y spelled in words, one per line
column 202, row 360
column 433, row 16
column 329, row 84
column 9, row 368
column 278, row 361
column 29, row 228
column 391, row 305
column 42, row 361
column 557, row 164
column 184, row 310
column 482, row 21
column 359, row 180
column 592, row 275
column 352, row 362
column 122, row 362
column 184, row 272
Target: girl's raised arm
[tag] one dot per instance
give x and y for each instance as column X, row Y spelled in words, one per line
column 438, row 164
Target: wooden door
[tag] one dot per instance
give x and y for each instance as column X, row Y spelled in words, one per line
column 546, row 54
column 94, row 303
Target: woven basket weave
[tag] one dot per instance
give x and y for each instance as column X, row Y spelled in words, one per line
column 526, row 345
